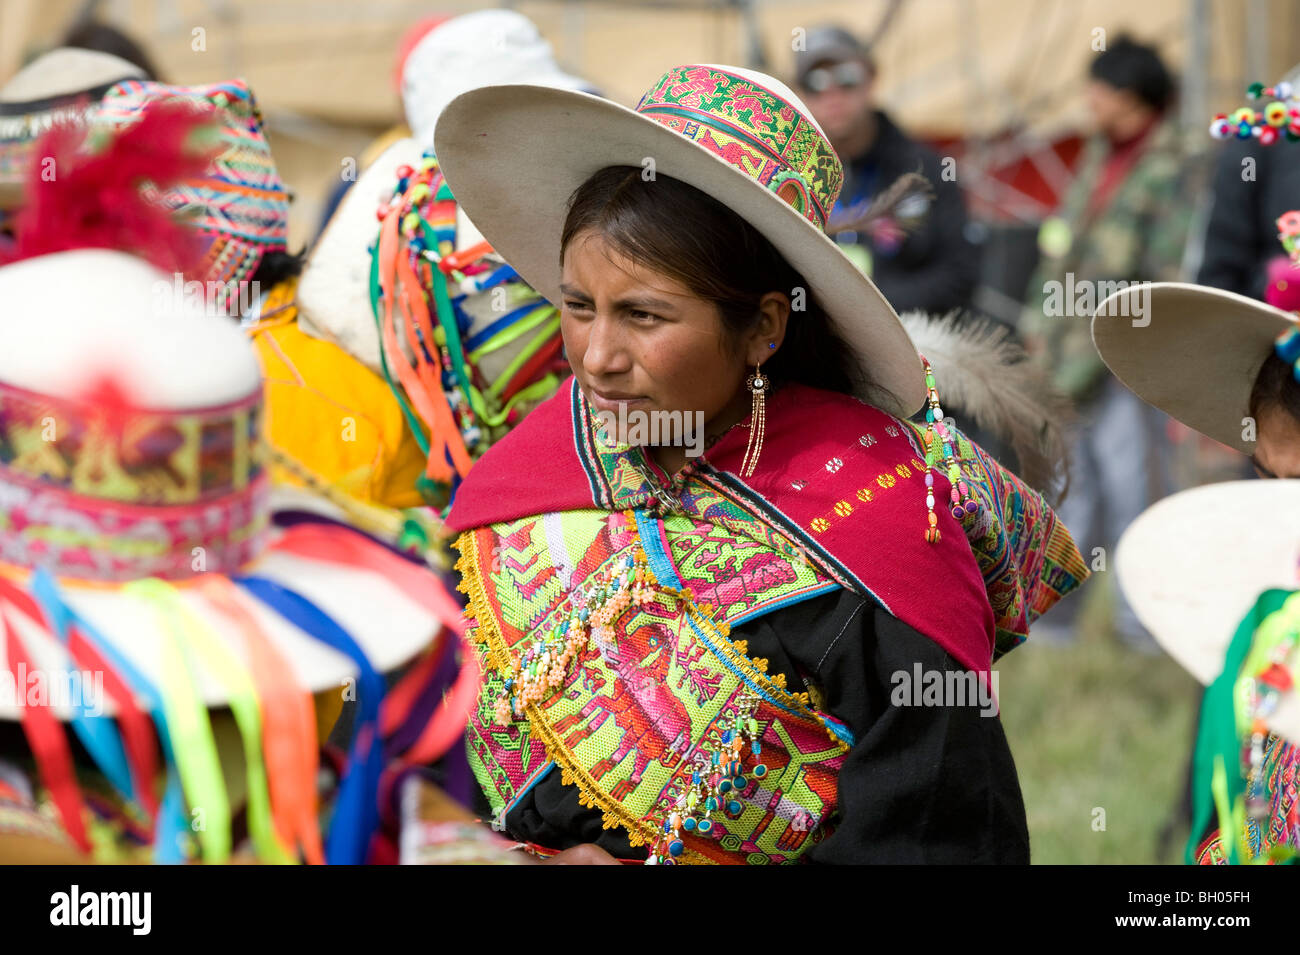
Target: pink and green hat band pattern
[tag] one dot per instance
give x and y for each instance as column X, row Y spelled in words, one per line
column 755, row 130
column 240, row 205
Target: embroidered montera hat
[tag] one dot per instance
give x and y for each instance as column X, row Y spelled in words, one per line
column 1193, row 565
column 63, row 85
column 239, row 206
column 138, row 543
column 742, row 137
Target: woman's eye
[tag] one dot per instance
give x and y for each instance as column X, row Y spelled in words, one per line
column 576, row 306
column 643, row 316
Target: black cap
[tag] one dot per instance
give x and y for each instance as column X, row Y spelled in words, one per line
column 827, row 44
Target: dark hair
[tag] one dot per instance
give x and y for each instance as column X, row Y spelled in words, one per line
column 90, row 34
column 277, row 266
column 1275, row 387
column 675, row 229
column 1129, row 65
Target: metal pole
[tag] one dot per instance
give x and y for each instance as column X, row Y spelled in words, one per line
column 1196, row 70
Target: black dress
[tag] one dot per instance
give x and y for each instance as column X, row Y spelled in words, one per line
column 922, row 784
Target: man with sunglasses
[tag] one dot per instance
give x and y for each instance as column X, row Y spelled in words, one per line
column 918, row 255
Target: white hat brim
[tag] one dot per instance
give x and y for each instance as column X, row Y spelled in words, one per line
column 1193, row 565
column 1189, row 350
column 514, row 154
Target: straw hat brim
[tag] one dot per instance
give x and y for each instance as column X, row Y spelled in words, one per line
column 1191, row 351
column 1193, row 564
column 514, row 154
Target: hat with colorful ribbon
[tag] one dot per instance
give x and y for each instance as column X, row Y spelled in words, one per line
column 139, row 548
column 239, row 206
column 61, row 85
column 742, row 137
column 403, row 281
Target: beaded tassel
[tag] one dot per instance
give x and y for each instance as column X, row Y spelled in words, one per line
column 758, row 387
column 936, row 437
column 714, row 790
column 544, row 666
column 1266, row 693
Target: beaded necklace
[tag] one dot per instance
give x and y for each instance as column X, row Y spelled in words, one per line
column 715, row 789
column 594, row 608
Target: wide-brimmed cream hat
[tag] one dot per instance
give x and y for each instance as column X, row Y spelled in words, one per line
column 1190, row 350
column 1193, row 565
column 514, row 154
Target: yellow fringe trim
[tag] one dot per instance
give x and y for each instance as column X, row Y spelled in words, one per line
column 590, row 793
column 613, row 813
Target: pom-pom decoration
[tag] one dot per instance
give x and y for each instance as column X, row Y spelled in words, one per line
column 1276, row 118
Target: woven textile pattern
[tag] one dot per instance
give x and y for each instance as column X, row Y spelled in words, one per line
column 241, row 205
column 1026, row 555
column 1282, row 825
column 753, row 129
column 137, row 456
column 637, row 715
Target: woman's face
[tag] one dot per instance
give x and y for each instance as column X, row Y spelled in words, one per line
column 641, row 342
column 1277, row 448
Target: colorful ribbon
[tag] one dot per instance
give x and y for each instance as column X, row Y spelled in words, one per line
column 356, row 813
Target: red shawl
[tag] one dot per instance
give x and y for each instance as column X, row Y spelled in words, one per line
column 836, row 475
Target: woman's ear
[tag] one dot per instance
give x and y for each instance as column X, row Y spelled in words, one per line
column 767, row 335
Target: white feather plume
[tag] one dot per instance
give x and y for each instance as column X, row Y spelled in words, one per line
column 982, row 373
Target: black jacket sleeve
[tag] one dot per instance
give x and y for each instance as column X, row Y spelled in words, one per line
column 1233, row 257
column 922, row 783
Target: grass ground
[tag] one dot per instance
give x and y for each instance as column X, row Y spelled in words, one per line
column 1101, row 736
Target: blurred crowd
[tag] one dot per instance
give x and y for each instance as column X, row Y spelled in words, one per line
column 1135, row 211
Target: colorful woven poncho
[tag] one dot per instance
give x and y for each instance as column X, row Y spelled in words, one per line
column 560, row 524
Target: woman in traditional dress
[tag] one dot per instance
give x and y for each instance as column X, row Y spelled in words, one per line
column 731, row 604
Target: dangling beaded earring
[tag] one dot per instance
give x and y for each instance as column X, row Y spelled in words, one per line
column 759, row 385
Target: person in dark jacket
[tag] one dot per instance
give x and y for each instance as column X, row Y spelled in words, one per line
column 920, row 256
column 1253, row 185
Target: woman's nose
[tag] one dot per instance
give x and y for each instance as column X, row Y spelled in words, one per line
column 606, row 351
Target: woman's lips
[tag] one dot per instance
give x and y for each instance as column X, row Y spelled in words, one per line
column 605, row 402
